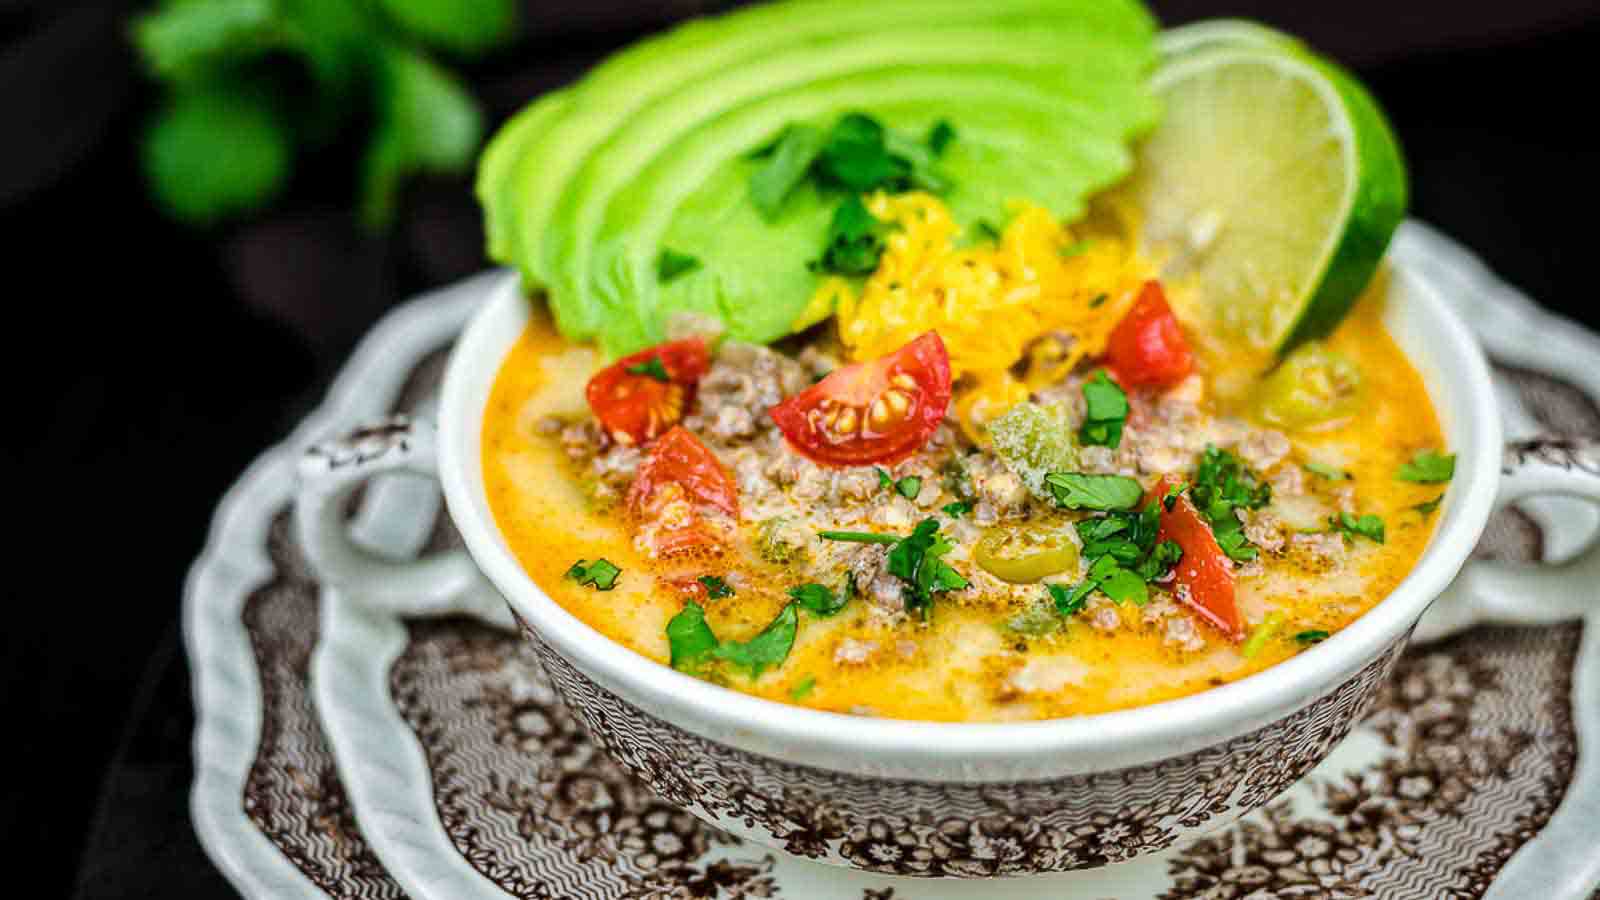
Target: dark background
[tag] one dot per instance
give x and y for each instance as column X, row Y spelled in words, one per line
column 149, row 363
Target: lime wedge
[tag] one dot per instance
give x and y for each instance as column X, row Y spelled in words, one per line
column 1273, row 182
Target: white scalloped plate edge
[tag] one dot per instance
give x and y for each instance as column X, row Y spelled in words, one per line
column 225, row 682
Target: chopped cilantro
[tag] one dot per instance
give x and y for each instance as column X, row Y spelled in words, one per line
column 1426, row 507
column 859, row 537
column 822, row 601
column 1098, row 300
column 940, row 136
column 716, row 588
column 908, row 487
column 1081, row 490
column 1314, row 636
column 1107, row 410
column 957, row 509
column 1068, row 601
column 803, row 687
column 787, row 164
column 694, row 646
column 1325, row 471
column 856, row 156
column 854, row 244
column 651, row 367
column 916, row 560
column 1428, row 467
column 671, row 264
column 885, row 482
column 690, row 639
column 1222, row 484
column 1368, row 526
column 767, row 649
column 987, row 230
column 602, row 573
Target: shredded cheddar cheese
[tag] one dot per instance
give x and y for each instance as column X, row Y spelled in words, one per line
column 990, row 301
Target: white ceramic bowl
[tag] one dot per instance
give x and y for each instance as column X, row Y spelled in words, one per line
column 930, row 798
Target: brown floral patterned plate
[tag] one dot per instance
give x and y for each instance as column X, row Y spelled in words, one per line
column 469, row 779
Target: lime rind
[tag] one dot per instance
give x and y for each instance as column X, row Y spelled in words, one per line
column 1374, row 191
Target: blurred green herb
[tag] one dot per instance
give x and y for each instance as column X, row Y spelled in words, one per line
column 252, row 84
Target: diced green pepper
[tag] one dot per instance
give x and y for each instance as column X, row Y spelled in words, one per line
column 1034, row 440
column 1313, row 387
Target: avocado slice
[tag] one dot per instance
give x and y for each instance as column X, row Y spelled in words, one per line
column 1080, row 78
column 640, row 76
column 1014, row 141
column 497, row 170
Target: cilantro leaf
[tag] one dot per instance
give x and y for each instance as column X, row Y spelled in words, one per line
column 790, row 160
column 855, row 155
column 885, row 482
column 672, row 265
column 1368, row 526
column 957, row 509
column 1326, row 471
column 908, row 487
column 427, row 122
column 1221, row 485
column 602, row 574
column 201, row 125
column 767, row 649
column 854, row 245
column 1314, row 636
column 465, row 28
column 1122, row 584
column 689, row 639
column 1098, row 300
column 651, row 367
column 987, row 230
column 716, row 588
column 1426, row 507
column 1107, row 410
column 820, row 600
column 916, row 561
column 1081, row 490
column 803, row 687
column 940, row 136
column 1161, row 560
column 1070, row 601
column 1428, row 467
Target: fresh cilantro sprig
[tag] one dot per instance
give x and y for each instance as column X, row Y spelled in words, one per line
column 1221, row 485
column 694, row 646
column 917, row 561
column 1428, row 467
column 1368, row 526
column 1107, row 411
column 823, row 601
column 1123, row 556
column 1082, row 490
column 251, row 85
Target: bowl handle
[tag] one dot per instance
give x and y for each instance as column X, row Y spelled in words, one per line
column 446, row 582
column 1491, row 591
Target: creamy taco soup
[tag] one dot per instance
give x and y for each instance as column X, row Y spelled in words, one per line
column 957, row 361
column 1141, row 519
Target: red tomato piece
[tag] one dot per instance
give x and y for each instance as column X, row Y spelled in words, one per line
column 637, row 406
column 1205, row 570
column 880, row 411
column 683, row 501
column 1147, row 348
